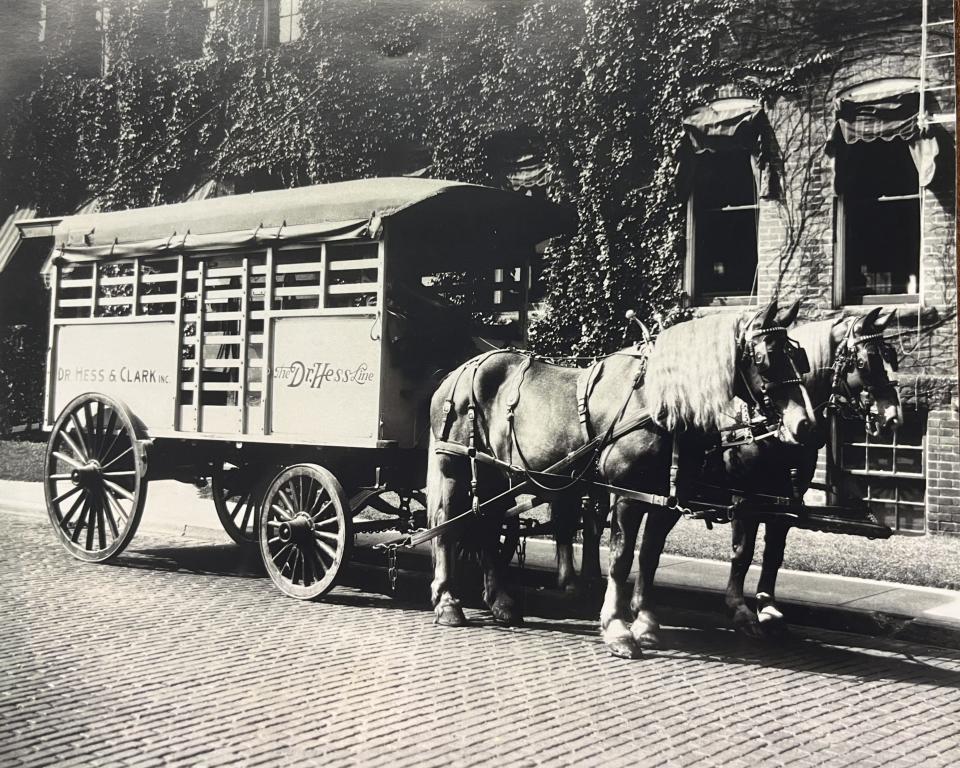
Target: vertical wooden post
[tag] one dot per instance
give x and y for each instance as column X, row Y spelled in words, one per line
column 48, row 414
column 266, row 383
column 198, row 345
column 135, row 308
column 244, row 341
column 178, row 360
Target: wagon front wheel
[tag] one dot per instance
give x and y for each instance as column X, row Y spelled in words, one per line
column 94, row 477
column 305, row 530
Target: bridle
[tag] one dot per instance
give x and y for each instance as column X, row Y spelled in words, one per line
column 756, row 348
column 867, row 353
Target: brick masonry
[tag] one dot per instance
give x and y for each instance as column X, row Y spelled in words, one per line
column 797, row 249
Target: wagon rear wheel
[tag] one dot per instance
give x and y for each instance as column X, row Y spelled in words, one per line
column 94, row 477
column 305, row 530
column 237, row 493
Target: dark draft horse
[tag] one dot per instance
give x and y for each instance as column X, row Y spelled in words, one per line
column 696, row 368
column 850, row 374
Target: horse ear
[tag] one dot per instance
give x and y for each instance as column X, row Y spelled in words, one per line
column 838, row 332
column 884, row 319
column 866, row 323
column 788, row 316
column 765, row 317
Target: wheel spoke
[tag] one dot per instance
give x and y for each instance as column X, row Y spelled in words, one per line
column 67, row 494
column 327, row 523
column 111, row 425
column 61, row 476
column 281, row 512
column 99, row 428
column 109, row 513
column 91, row 523
column 331, row 553
column 236, row 507
column 288, row 503
column 113, row 443
column 123, row 473
column 67, row 460
column 101, row 528
column 247, row 510
column 308, row 577
column 81, row 436
column 90, row 431
column 325, row 536
column 319, row 568
column 65, row 520
column 119, row 489
column 115, row 459
column 82, row 521
column 323, row 509
column 121, row 512
column 280, row 552
column 73, row 447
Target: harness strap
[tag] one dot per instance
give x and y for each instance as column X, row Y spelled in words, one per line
column 585, row 388
column 518, row 377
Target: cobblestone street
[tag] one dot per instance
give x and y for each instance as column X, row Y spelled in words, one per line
column 183, row 653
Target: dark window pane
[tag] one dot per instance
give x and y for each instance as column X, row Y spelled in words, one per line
column 725, row 247
column 911, row 491
column 911, row 518
column 909, row 460
column 880, row 459
column 882, row 489
column 854, row 457
column 882, row 237
column 886, row 512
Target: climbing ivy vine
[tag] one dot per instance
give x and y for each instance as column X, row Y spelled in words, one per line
column 601, row 85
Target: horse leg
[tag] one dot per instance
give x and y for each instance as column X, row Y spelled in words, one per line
column 442, row 491
column 743, row 541
column 595, row 512
column 660, row 522
column 496, row 597
column 564, row 514
column 775, row 542
column 615, row 613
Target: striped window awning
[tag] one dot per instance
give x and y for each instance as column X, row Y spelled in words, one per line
column 10, row 236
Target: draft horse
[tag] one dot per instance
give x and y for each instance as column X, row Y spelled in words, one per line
column 850, row 377
column 529, row 415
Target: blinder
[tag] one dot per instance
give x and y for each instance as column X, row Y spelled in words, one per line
column 871, row 359
column 764, row 349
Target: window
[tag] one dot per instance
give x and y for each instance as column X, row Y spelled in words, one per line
column 722, row 228
column 210, row 6
column 281, row 22
column 886, row 471
column 882, row 162
column 721, row 163
column 879, row 213
column 43, row 21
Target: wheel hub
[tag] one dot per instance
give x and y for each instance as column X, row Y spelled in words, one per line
column 87, row 475
column 297, row 530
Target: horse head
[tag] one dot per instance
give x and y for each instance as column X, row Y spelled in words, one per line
column 863, row 385
column 770, row 366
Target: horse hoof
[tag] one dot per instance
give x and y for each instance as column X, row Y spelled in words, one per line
column 646, row 629
column 623, row 649
column 449, row 614
column 747, row 624
column 505, row 612
column 619, row 641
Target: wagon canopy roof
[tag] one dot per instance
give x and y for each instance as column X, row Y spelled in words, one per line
column 422, row 208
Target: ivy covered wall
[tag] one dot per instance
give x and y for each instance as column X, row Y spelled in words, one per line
column 597, row 87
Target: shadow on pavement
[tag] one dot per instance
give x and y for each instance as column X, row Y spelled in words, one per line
column 203, row 560
column 687, row 630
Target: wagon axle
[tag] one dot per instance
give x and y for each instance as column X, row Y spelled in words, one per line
column 298, row 530
column 87, row 476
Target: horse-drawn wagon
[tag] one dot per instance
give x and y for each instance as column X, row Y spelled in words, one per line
column 286, row 344
column 283, row 343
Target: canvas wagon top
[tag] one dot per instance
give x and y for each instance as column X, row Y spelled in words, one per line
column 483, row 221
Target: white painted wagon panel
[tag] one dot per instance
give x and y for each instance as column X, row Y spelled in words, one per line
column 127, row 360
column 326, row 378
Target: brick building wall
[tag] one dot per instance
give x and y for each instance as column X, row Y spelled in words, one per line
column 797, row 229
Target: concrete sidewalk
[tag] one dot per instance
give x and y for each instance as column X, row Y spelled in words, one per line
column 876, row 608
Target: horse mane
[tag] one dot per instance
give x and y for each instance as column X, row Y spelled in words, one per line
column 817, row 339
column 690, row 373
